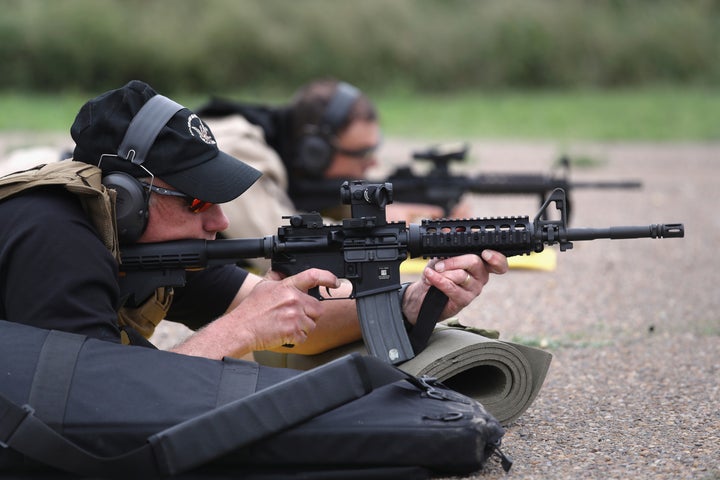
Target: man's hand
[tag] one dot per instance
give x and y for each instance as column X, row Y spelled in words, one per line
column 461, row 278
column 279, row 311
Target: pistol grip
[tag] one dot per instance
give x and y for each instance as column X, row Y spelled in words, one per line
column 382, row 327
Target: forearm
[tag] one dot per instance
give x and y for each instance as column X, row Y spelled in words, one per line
column 217, row 340
column 338, row 325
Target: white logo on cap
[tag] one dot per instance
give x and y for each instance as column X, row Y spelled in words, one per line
column 197, row 128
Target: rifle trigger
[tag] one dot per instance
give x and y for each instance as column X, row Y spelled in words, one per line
column 315, row 292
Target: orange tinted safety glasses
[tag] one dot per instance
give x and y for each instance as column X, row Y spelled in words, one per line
column 195, row 205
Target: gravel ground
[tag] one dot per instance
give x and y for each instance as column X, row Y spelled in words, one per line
column 633, row 324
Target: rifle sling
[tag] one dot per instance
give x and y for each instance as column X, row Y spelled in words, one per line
column 430, row 310
column 208, row 436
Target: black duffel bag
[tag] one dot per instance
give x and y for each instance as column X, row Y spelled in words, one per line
column 93, row 408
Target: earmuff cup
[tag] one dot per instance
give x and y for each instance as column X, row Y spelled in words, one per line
column 314, row 155
column 131, row 205
column 315, row 149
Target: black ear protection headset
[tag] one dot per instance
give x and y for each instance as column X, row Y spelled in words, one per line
column 131, row 205
column 315, row 149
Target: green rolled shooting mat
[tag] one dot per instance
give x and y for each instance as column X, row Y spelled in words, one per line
column 504, row 376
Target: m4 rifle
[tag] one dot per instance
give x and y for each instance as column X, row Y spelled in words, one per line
column 441, row 187
column 368, row 251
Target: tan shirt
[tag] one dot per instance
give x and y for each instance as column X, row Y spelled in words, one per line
column 258, row 211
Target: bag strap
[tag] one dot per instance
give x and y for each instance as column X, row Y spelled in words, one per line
column 54, row 371
column 21, row 430
column 208, row 436
column 247, row 420
column 238, row 379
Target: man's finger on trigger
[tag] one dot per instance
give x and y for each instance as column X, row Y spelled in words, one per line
column 306, row 280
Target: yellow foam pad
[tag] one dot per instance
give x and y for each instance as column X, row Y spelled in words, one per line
column 544, row 261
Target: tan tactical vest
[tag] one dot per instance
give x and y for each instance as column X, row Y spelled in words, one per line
column 85, row 181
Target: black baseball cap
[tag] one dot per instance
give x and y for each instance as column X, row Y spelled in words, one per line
column 184, row 154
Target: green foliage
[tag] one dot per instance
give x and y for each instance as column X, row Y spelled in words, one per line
column 425, row 45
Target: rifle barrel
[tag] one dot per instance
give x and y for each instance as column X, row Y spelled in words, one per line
column 669, row 230
column 601, row 185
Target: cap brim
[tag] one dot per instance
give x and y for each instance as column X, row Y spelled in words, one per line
column 218, row 180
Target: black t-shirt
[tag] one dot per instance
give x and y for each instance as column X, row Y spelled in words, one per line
column 55, row 272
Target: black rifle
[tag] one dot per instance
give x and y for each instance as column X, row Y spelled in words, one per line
column 440, row 187
column 368, row 251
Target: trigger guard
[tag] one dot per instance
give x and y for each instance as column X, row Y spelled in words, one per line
column 315, row 292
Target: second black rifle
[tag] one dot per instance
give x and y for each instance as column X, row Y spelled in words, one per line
column 441, row 187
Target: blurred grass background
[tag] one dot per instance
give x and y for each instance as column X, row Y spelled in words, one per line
column 597, row 69
column 648, row 114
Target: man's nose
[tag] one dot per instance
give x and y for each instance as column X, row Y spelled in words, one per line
column 214, row 219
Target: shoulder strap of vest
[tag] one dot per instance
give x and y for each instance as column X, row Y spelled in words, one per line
column 201, row 439
column 82, row 179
